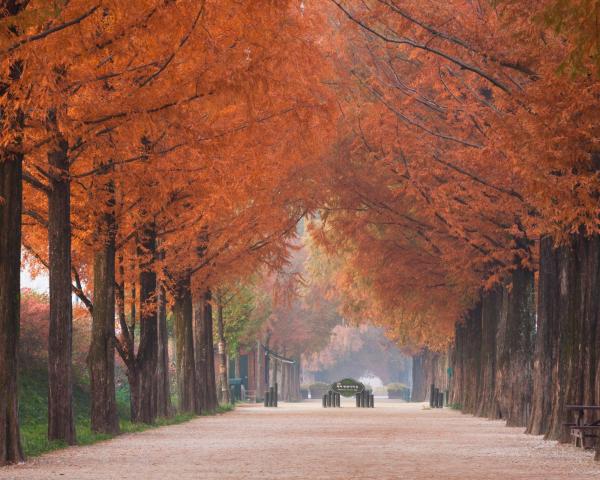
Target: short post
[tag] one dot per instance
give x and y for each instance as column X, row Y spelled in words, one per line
column 338, row 400
column 267, row 399
column 441, row 402
column 276, row 395
column 431, row 396
column 447, row 397
column 358, row 399
column 372, row 401
column 324, row 401
column 271, row 395
column 435, row 395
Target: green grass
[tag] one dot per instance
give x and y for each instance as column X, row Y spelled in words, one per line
column 33, row 415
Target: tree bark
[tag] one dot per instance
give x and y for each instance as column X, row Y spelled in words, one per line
column 101, row 357
column 163, row 400
column 515, row 343
column 211, row 386
column 222, row 352
column 60, row 382
column 472, row 360
column 11, row 192
column 546, row 340
column 147, row 357
column 491, row 306
column 184, row 343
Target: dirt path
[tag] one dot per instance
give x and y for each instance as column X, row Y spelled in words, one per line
column 304, row 441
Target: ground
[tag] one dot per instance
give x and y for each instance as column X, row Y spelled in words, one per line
column 305, row 441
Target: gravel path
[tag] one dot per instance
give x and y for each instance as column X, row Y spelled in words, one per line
column 304, row 441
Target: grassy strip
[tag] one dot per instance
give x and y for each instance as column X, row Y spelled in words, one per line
column 34, row 415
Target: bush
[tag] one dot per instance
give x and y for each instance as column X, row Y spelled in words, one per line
column 398, row 390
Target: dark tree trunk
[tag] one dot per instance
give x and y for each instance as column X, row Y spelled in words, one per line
column 147, row 357
column 491, row 307
column 205, row 366
column 211, row 385
column 184, row 343
column 163, row 384
column 101, row 357
column 546, row 340
column 10, row 266
column 201, row 354
column 515, row 344
column 222, row 352
column 60, row 388
column 565, row 358
column 472, row 360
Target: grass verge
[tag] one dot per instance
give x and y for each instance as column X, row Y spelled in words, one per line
column 34, row 415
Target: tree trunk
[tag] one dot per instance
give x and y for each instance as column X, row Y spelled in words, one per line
column 211, row 386
column 472, row 360
column 184, row 344
column 101, row 357
column 224, row 397
column 201, row 354
column 147, row 357
column 490, row 319
column 10, row 264
column 163, row 399
column 546, row 340
column 515, row 344
column 60, row 382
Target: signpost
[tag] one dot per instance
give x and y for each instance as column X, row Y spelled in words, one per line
column 348, row 387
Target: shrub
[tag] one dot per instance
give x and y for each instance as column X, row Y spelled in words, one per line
column 398, row 390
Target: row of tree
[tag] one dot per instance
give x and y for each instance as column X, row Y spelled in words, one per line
column 464, row 199
column 152, row 157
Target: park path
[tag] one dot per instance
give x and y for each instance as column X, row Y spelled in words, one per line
column 304, row 441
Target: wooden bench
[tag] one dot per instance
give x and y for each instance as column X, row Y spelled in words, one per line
column 580, row 435
column 584, row 435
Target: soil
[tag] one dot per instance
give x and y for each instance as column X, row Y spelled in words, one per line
column 304, row 441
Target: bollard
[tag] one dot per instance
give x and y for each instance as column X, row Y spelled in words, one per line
column 447, row 397
column 435, row 394
column 372, row 401
column 271, row 396
column 324, row 401
column 358, row 399
column 364, row 399
column 267, row 399
column 338, row 400
column 275, row 397
column 441, row 399
column 431, row 396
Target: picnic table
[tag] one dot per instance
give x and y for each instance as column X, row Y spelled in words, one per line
column 581, row 431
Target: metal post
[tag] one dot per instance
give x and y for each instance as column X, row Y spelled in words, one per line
column 447, row 397
column 338, row 400
column 324, row 401
column 275, row 398
column 271, row 395
column 267, row 398
column 372, row 400
column 432, row 396
column 358, row 399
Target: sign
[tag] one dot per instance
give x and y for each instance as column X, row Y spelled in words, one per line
column 348, row 387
